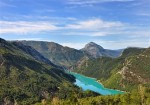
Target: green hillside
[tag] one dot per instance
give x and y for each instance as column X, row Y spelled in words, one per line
column 27, row 78
column 125, row 73
column 141, row 96
column 25, row 81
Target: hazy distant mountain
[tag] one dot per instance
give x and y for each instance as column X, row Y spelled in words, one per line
column 35, row 54
column 68, row 57
column 56, row 53
column 97, row 51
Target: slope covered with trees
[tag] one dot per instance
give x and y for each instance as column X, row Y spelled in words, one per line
column 141, row 96
column 126, row 72
column 26, row 77
column 25, row 80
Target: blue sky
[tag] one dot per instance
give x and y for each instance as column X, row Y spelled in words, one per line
column 113, row 24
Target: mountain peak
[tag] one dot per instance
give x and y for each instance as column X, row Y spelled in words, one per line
column 2, row 40
column 93, row 49
column 93, row 44
column 96, row 51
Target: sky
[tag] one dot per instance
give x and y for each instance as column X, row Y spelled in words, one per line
column 113, row 24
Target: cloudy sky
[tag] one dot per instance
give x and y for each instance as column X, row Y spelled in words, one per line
column 113, row 24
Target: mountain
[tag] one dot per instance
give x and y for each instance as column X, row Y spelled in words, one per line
column 35, row 54
column 97, row 51
column 68, row 57
column 125, row 72
column 56, row 53
column 27, row 78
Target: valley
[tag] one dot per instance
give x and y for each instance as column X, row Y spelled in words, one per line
column 29, row 75
column 87, row 83
column 74, row 52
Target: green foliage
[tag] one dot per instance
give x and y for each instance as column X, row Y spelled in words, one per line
column 136, row 97
column 110, row 71
column 26, row 81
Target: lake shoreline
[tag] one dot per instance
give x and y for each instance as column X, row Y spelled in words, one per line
column 89, row 83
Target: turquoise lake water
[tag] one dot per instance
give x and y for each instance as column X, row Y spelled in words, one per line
column 87, row 83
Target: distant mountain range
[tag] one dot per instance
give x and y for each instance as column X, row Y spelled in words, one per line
column 68, row 57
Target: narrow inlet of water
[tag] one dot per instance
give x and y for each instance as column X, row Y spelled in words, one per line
column 87, row 83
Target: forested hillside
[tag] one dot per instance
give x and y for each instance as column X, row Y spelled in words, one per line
column 25, row 80
column 27, row 77
column 125, row 73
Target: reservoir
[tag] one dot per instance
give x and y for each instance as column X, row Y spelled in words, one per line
column 87, row 83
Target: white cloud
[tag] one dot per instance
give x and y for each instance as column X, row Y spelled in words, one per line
column 113, row 44
column 92, row 33
column 123, row 43
column 29, row 39
column 91, row 27
column 74, row 45
column 3, row 4
column 23, row 27
column 90, row 2
column 143, row 14
column 41, row 11
column 94, row 24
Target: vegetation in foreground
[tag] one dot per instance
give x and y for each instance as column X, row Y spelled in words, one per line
column 136, row 97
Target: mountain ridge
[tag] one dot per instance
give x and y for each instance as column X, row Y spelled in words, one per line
column 25, row 80
column 97, row 51
column 124, row 73
column 65, row 56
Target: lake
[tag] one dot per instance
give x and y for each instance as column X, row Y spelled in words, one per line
column 87, row 83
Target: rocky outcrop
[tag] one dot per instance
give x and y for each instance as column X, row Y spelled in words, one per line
column 7, row 101
column 97, row 51
column 130, row 74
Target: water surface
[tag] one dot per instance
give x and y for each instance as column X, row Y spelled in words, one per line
column 87, row 83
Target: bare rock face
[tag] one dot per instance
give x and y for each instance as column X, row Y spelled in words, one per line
column 82, row 62
column 7, row 101
column 97, row 51
column 93, row 49
column 131, row 73
column 123, row 71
